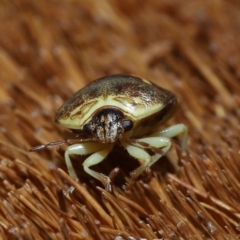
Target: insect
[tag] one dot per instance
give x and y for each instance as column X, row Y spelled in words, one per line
column 122, row 109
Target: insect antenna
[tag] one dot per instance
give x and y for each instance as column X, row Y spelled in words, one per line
column 61, row 142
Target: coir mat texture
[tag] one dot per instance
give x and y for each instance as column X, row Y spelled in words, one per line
column 51, row 49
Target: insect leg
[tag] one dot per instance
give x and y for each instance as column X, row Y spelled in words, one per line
column 157, row 142
column 94, row 159
column 79, row 149
column 138, row 153
column 173, row 131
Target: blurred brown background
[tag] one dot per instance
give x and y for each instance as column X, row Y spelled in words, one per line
column 50, row 49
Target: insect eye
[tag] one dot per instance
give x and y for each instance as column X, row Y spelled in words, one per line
column 127, row 125
column 87, row 128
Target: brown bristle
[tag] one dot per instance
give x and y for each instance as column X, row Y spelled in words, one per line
column 49, row 50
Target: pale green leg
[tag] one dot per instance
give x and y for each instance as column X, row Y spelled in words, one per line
column 138, row 152
column 80, row 149
column 158, row 142
column 95, row 159
column 173, row 131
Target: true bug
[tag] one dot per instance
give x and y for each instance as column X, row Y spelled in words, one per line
column 120, row 109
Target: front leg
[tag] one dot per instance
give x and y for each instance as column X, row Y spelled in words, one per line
column 94, row 159
column 157, row 142
column 173, row 131
column 80, row 149
column 137, row 153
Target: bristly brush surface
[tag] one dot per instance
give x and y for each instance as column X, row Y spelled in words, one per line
column 50, row 49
